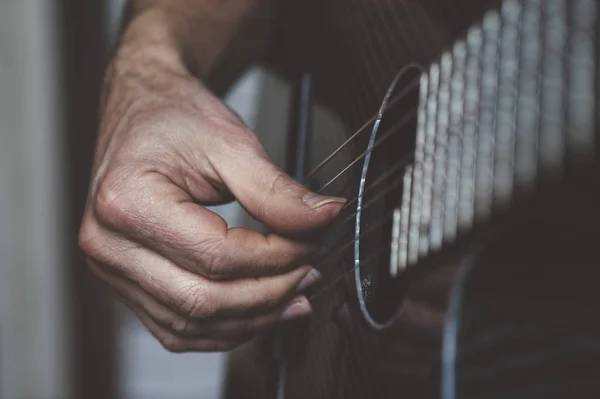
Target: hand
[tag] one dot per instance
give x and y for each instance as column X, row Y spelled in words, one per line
column 167, row 147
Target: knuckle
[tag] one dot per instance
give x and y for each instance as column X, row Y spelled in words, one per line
column 90, row 241
column 280, row 181
column 209, row 259
column 238, row 141
column 279, row 184
column 173, row 343
column 179, row 325
column 247, row 143
column 197, row 303
column 113, row 205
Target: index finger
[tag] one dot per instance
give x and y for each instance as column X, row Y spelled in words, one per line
column 162, row 217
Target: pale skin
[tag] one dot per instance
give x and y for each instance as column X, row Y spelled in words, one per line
column 167, row 147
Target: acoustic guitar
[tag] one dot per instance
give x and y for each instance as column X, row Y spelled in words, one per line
column 464, row 263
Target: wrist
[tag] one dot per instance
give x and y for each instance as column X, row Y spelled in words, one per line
column 148, row 63
column 149, row 42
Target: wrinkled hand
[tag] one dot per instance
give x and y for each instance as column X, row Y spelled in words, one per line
column 167, row 147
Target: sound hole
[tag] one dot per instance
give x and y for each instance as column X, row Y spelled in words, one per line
column 392, row 147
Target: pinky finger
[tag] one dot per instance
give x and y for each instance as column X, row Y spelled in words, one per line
column 175, row 343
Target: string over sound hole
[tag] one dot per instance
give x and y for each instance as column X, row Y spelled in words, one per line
column 384, row 188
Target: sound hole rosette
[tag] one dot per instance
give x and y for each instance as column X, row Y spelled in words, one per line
column 363, row 278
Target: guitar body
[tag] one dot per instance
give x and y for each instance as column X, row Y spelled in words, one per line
column 459, row 128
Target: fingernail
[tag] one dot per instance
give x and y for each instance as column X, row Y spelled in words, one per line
column 312, row 277
column 313, row 200
column 298, row 308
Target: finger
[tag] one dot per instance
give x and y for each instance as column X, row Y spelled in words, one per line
column 297, row 308
column 160, row 216
column 177, row 344
column 231, row 329
column 268, row 193
column 194, row 296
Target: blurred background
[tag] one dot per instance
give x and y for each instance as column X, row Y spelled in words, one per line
column 61, row 333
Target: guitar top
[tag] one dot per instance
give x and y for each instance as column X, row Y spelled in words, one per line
column 450, row 117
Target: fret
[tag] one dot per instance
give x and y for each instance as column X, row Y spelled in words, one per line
column 404, row 220
column 395, row 244
column 526, row 152
column 417, row 186
column 441, row 149
column 428, row 160
column 472, row 81
column 488, row 104
column 507, row 110
column 455, row 132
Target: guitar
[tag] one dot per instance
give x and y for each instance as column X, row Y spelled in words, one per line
column 465, row 140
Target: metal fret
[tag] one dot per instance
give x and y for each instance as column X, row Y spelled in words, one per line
column 441, row 149
column 428, row 161
column 526, row 152
column 507, row 108
column 455, row 132
column 488, row 104
column 470, row 128
column 417, row 186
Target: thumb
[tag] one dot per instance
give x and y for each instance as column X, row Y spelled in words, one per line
column 274, row 198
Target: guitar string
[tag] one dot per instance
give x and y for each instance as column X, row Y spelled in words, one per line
column 371, row 120
column 381, row 140
column 364, row 234
column 370, row 47
column 412, row 85
column 402, row 162
column 344, row 274
column 372, row 201
column 332, row 156
column 380, row 180
column 340, row 278
column 363, row 127
column 312, row 173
